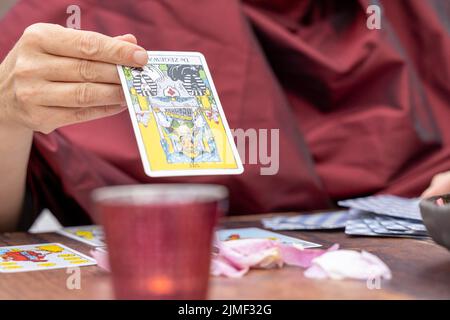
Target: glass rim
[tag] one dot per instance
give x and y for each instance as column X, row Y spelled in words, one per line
column 192, row 192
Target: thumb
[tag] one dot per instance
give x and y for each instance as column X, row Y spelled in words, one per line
column 435, row 190
column 429, row 192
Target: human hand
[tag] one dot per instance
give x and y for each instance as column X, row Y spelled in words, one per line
column 439, row 185
column 55, row 76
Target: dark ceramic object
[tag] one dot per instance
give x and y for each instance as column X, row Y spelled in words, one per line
column 437, row 219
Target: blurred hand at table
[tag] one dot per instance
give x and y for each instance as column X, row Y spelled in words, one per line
column 439, row 185
column 55, row 76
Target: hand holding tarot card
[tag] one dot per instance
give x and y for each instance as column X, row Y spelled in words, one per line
column 177, row 117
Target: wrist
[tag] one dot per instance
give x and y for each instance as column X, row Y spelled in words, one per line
column 9, row 125
column 13, row 131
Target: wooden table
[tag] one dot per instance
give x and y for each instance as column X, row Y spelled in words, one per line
column 421, row 270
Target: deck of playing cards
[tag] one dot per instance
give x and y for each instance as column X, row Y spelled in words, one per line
column 381, row 216
column 384, row 216
column 387, row 205
column 179, row 123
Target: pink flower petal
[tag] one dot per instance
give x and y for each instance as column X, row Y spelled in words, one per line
column 315, row 272
column 295, row 256
column 221, row 267
column 248, row 253
column 101, row 256
column 236, row 257
column 352, row 264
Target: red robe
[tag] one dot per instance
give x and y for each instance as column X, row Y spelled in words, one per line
column 359, row 111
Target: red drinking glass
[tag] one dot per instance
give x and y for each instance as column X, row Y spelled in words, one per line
column 159, row 238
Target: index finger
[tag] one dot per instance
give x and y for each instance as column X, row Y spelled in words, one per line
column 90, row 45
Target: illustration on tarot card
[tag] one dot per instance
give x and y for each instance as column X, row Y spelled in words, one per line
column 40, row 257
column 173, row 98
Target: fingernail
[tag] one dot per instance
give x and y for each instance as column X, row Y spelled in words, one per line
column 140, row 57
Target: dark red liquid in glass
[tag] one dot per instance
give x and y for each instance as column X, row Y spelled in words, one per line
column 159, row 251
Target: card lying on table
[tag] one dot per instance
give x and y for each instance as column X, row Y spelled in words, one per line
column 314, row 221
column 257, row 233
column 92, row 235
column 362, row 223
column 44, row 256
column 388, row 205
column 224, row 234
column 179, row 123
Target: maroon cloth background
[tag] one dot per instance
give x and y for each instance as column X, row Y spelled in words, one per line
column 360, row 111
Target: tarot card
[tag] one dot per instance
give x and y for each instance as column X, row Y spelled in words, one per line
column 179, row 123
column 91, row 235
column 356, row 226
column 315, row 221
column 361, row 223
column 44, row 256
column 377, row 226
column 388, row 205
column 412, row 224
column 256, row 233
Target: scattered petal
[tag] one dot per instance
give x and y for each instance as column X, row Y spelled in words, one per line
column 295, row 256
column 315, row 272
column 101, row 256
column 235, row 257
column 220, row 267
column 246, row 253
column 343, row 264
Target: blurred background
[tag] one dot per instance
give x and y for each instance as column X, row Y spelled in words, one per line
column 5, row 5
column 344, row 95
